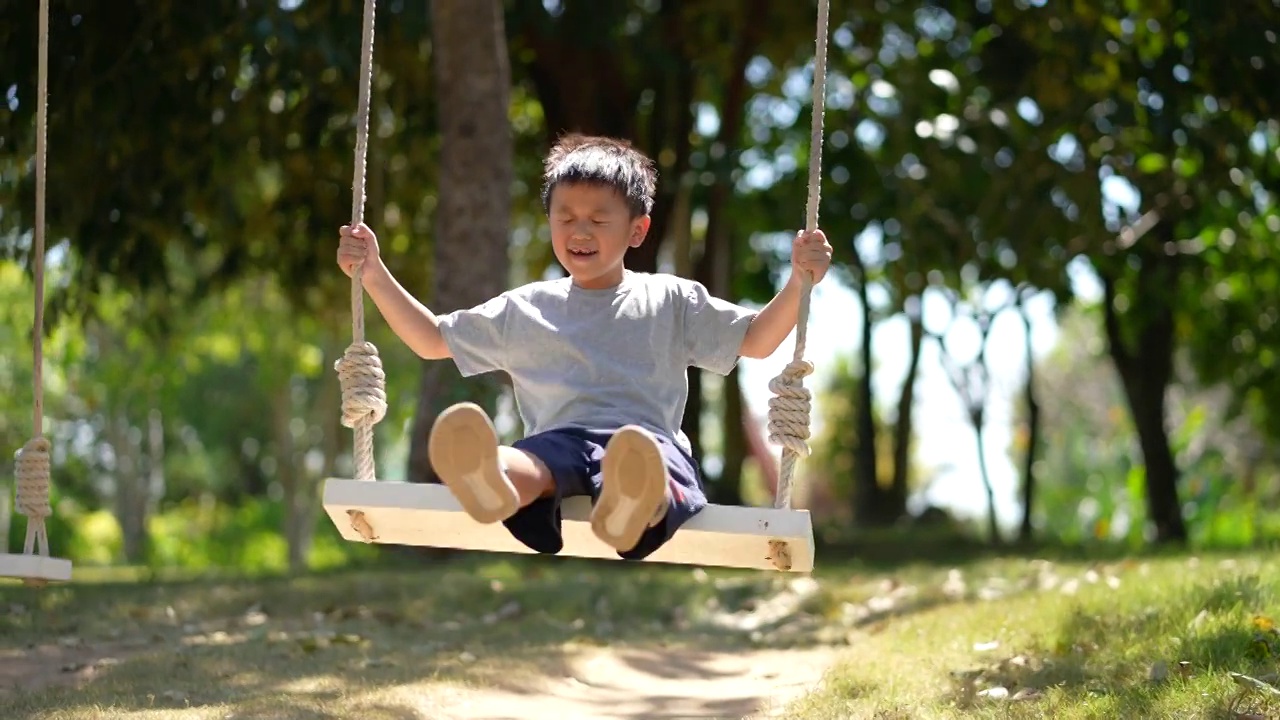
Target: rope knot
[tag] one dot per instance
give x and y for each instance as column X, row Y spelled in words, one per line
column 32, row 470
column 790, row 407
column 364, row 393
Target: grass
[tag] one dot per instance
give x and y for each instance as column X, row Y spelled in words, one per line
column 1155, row 637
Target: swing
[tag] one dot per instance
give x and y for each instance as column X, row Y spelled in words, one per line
column 31, row 467
column 777, row 538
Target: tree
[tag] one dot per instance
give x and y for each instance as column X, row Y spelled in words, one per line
column 1161, row 100
column 473, row 216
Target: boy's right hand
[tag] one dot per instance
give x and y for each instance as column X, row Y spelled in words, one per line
column 357, row 245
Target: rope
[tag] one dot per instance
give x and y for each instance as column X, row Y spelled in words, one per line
column 31, row 467
column 789, row 410
column 364, row 395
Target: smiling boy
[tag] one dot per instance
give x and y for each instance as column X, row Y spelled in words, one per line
column 598, row 361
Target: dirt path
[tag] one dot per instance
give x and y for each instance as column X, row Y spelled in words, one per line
column 612, row 684
column 591, row 682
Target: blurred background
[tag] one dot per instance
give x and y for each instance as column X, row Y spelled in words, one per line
column 1053, row 318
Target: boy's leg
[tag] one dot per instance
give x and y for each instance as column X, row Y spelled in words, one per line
column 571, row 457
column 491, row 482
column 648, row 489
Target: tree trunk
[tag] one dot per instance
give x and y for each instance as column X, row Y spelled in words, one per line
column 1025, row 530
column 715, row 267
column 155, row 458
column 605, row 100
column 473, row 87
column 895, row 501
column 728, row 490
column 1146, row 368
column 993, row 522
column 287, row 473
column 131, row 495
column 867, row 500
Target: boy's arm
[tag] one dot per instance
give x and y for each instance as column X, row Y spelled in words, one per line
column 810, row 253
column 774, row 322
column 412, row 321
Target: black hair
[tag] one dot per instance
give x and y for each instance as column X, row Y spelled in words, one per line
column 610, row 162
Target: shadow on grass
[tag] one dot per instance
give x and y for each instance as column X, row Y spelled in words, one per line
column 1092, row 655
column 324, row 645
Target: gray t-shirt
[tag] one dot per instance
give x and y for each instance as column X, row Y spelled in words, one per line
column 600, row 358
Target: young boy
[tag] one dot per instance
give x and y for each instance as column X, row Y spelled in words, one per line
column 598, row 362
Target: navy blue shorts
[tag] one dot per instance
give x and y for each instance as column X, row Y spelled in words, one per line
column 573, row 456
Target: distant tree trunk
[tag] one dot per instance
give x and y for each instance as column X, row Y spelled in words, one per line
column 972, row 382
column 716, row 267
column 895, row 502
column 1146, row 368
column 729, row 490
column 1025, row 530
column 155, row 458
column 288, row 474
column 130, row 486
column 605, row 101
column 473, row 87
column 867, row 493
column 6, row 520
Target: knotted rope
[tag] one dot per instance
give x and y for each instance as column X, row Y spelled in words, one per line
column 32, row 471
column 364, row 395
column 789, row 410
column 31, row 467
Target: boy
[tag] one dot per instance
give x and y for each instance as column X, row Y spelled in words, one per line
column 598, row 362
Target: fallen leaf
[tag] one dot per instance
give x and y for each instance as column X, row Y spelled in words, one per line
column 954, row 586
column 506, row 612
column 1026, row 693
column 1200, row 618
column 995, row 693
column 1254, row 684
column 986, row 646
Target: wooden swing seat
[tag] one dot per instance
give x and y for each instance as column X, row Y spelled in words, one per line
column 35, row 567
column 399, row 513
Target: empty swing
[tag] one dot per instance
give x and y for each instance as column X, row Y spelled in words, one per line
column 400, row 513
column 31, row 467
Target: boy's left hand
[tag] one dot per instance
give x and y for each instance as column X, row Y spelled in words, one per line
column 811, row 253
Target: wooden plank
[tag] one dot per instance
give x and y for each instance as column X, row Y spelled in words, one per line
column 428, row 515
column 35, row 567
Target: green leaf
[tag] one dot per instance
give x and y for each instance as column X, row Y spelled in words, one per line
column 1152, row 163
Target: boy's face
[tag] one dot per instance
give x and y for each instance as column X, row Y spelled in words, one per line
column 591, row 229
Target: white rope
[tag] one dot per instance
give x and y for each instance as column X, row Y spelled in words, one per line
column 364, row 395
column 31, row 467
column 789, row 410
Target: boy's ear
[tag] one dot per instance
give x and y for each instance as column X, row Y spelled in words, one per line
column 639, row 229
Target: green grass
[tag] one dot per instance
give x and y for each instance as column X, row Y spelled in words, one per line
column 1148, row 638
column 1077, row 638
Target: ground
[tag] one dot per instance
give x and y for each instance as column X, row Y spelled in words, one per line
column 497, row 637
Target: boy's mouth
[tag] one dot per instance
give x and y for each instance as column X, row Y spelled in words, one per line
column 581, row 252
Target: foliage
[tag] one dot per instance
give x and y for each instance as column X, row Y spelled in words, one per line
column 1091, row 485
column 200, row 157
